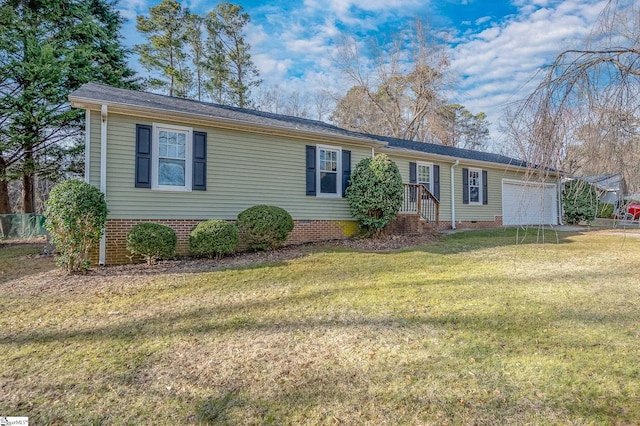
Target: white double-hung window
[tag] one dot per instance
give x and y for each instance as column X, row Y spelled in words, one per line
column 424, row 175
column 475, row 186
column 329, row 180
column 172, row 158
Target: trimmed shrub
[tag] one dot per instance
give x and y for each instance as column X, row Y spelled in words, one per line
column 264, row 227
column 213, row 238
column 76, row 214
column 152, row 240
column 580, row 201
column 375, row 192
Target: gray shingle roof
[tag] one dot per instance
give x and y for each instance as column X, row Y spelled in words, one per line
column 468, row 154
column 103, row 93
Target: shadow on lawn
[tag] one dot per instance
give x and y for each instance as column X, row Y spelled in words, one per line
column 472, row 240
column 333, row 309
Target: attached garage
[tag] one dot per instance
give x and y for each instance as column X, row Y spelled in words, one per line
column 529, row 203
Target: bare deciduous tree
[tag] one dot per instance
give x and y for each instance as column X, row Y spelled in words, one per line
column 584, row 114
column 397, row 88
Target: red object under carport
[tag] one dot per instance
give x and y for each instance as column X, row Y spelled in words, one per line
column 634, row 210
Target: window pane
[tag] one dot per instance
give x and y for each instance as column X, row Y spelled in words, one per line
column 162, row 149
column 474, row 194
column 328, row 160
column 328, row 183
column 171, row 172
column 162, row 144
column 424, row 175
column 171, row 138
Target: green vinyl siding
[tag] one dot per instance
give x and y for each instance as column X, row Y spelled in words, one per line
column 464, row 212
column 243, row 169
column 445, row 180
column 482, row 212
column 94, row 152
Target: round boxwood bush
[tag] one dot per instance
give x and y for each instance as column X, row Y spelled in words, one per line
column 76, row 214
column 213, row 238
column 375, row 192
column 264, row 227
column 152, row 240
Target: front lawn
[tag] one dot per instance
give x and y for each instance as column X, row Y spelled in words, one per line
column 472, row 329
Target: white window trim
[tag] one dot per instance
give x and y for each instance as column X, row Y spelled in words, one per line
column 430, row 165
column 338, row 193
column 480, row 186
column 155, row 158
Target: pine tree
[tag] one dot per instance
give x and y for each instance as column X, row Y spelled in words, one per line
column 229, row 65
column 164, row 53
column 48, row 48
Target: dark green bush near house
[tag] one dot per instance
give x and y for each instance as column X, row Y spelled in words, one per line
column 375, row 192
column 605, row 210
column 264, row 227
column 580, row 201
column 213, row 238
column 152, row 240
column 76, row 214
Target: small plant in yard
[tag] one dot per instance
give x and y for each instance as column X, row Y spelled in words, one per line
column 152, row 240
column 605, row 210
column 375, row 192
column 76, row 215
column 214, row 238
column 265, row 227
column 580, row 201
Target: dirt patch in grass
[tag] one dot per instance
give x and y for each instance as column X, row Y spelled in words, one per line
column 19, row 259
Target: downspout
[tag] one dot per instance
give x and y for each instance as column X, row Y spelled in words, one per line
column 103, row 176
column 453, row 195
column 87, row 144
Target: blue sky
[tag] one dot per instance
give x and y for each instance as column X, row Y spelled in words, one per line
column 496, row 46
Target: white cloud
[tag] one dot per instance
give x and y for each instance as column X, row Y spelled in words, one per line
column 497, row 65
column 132, row 8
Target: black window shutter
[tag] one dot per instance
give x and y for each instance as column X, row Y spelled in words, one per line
column 199, row 161
column 311, row 170
column 485, row 188
column 413, row 178
column 143, row 156
column 436, row 181
column 465, row 186
column 346, row 170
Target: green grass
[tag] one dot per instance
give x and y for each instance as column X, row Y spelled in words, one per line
column 472, row 329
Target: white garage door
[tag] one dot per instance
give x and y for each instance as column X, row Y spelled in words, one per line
column 529, row 203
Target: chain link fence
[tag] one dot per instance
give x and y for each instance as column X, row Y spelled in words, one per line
column 21, row 226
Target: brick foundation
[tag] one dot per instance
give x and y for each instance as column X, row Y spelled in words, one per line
column 496, row 223
column 304, row 231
